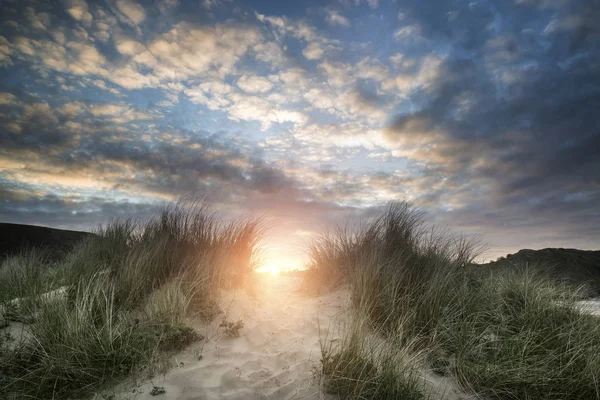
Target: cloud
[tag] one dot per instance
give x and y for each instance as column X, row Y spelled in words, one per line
column 118, row 113
column 333, row 17
column 254, row 84
column 5, row 52
column 171, row 162
column 132, row 10
column 188, row 51
column 38, row 21
column 212, row 94
column 253, row 108
column 81, row 58
column 78, row 9
column 485, row 116
column 413, row 74
column 7, row 98
column 317, row 43
column 339, row 135
column 408, row 32
column 313, row 51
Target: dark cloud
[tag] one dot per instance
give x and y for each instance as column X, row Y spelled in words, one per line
column 527, row 124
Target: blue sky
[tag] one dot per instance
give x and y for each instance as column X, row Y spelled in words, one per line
column 482, row 113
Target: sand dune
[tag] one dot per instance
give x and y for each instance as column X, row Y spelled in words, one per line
column 275, row 357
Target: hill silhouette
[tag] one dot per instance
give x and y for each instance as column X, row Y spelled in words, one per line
column 17, row 237
column 572, row 265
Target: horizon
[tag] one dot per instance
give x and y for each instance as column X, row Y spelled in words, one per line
column 481, row 114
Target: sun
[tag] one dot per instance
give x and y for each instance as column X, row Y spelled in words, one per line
column 273, row 270
column 277, row 262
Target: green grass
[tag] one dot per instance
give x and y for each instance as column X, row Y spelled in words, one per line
column 513, row 334
column 361, row 367
column 524, row 338
column 128, row 291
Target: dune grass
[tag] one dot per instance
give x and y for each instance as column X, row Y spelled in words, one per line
column 507, row 335
column 362, row 366
column 122, row 299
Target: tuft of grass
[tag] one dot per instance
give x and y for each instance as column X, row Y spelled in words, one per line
column 362, row 367
column 401, row 271
column 127, row 292
column 527, row 339
column 505, row 335
column 25, row 274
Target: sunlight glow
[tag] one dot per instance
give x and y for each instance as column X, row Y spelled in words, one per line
column 276, row 264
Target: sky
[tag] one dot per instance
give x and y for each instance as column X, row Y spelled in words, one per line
column 485, row 114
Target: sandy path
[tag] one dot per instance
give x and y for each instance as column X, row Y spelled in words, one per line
column 274, row 358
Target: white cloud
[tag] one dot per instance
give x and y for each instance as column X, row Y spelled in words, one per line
column 78, row 9
column 408, row 32
column 59, row 37
column 164, row 5
column 254, row 84
column 347, row 134
column 82, row 58
column 373, row 3
column 7, row 98
column 253, row 108
column 5, row 51
column 317, row 43
column 184, row 52
column 270, row 53
column 41, row 113
column 132, row 10
column 104, row 25
column 208, row 4
column 333, row 17
column 338, row 74
column 211, row 94
column 39, row 21
column 313, row 51
column 72, row 109
column 188, row 51
column 118, row 113
column 427, row 73
column 369, row 68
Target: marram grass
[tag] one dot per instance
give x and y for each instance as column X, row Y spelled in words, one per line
column 513, row 334
column 126, row 293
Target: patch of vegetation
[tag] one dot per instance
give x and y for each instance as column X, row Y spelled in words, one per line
column 157, row 391
column 501, row 334
column 126, row 294
column 358, row 370
column 177, row 337
column 231, row 329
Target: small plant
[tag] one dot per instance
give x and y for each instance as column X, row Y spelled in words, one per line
column 232, row 329
column 157, row 391
column 178, row 337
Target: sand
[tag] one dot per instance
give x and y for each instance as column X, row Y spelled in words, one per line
column 277, row 355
